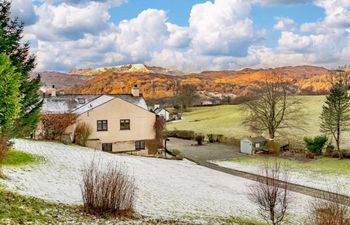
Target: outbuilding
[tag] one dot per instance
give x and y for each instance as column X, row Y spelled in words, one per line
column 249, row 145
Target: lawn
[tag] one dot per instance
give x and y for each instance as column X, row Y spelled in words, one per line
column 228, row 120
column 19, row 158
column 324, row 165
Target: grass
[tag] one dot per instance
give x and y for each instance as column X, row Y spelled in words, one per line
column 227, row 120
column 18, row 209
column 19, row 158
column 323, row 165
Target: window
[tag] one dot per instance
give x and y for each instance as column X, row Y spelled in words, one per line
column 257, row 145
column 124, row 124
column 139, row 145
column 102, row 125
column 81, row 100
column 107, row 147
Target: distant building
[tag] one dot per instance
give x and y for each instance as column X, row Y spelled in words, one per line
column 119, row 122
column 249, row 145
column 161, row 112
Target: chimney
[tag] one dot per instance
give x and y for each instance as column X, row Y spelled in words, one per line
column 135, row 91
column 53, row 91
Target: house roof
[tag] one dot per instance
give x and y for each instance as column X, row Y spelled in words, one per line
column 82, row 103
column 158, row 110
column 256, row 139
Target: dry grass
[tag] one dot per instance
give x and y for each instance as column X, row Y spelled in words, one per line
column 331, row 210
column 108, row 189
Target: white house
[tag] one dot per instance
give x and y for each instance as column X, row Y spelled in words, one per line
column 161, row 112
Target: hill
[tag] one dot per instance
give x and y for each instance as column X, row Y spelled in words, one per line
column 227, row 120
column 161, row 83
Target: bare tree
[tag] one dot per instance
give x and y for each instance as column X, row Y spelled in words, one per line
column 108, row 189
column 271, row 193
column 273, row 108
column 332, row 209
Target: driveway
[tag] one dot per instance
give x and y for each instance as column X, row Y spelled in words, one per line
column 207, row 152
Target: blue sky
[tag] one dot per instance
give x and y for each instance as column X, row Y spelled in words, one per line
column 189, row 35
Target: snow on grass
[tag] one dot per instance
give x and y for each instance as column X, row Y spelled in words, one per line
column 165, row 188
column 310, row 178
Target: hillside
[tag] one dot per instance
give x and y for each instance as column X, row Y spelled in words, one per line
column 157, row 83
column 228, row 120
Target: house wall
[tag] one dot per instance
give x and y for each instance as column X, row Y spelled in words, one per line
column 141, row 125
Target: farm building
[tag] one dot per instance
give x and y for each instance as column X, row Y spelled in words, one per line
column 251, row 144
column 119, row 122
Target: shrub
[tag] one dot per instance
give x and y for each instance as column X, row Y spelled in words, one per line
column 82, row 133
column 184, row 134
column 152, row 146
column 316, row 144
column 54, row 125
column 213, row 138
column 3, row 151
column 333, row 210
column 329, row 150
column 199, row 138
column 273, row 147
column 107, row 190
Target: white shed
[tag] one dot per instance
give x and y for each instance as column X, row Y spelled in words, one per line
column 250, row 144
column 163, row 113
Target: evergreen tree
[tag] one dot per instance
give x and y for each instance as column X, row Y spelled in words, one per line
column 10, row 96
column 10, row 43
column 335, row 117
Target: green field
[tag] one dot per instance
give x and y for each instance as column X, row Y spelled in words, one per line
column 227, row 120
column 323, row 165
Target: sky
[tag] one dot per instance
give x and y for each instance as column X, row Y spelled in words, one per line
column 188, row 35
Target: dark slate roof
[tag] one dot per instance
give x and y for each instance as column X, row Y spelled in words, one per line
column 71, row 102
column 256, row 139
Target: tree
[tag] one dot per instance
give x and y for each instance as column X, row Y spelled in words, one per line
column 11, row 44
column 185, row 94
column 315, row 145
column 10, row 99
column 271, row 193
column 272, row 109
column 335, row 117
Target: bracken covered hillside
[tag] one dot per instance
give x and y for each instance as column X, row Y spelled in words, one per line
column 156, row 83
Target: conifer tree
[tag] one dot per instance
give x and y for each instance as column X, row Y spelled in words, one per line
column 11, row 31
column 335, row 117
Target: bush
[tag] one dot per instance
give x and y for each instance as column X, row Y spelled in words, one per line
column 82, row 133
column 152, row 147
column 273, row 147
column 3, row 151
column 213, row 138
column 107, row 190
column 184, row 134
column 54, row 125
column 199, row 138
column 334, row 210
column 316, row 144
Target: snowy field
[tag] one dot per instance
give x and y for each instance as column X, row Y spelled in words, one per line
column 327, row 182
column 165, row 188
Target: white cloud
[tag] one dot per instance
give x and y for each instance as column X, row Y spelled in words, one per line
column 337, row 12
column 64, row 22
column 24, row 11
column 284, row 24
column 222, row 27
column 220, row 35
column 288, row 2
